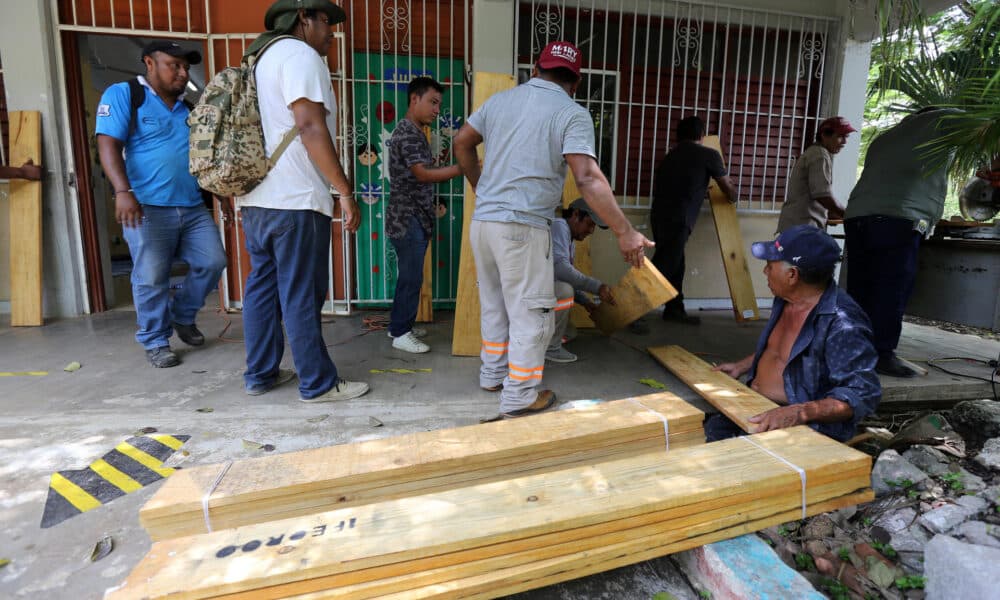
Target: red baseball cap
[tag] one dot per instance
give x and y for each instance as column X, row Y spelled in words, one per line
column 561, row 54
column 839, row 125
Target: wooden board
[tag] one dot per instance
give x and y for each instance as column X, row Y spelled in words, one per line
column 638, row 292
column 467, row 337
column 678, row 489
column 25, row 222
column 309, row 481
column 732, row 246
column 425, row 303
column 731, row 397
column 425, row 307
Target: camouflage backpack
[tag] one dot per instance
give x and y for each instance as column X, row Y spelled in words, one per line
column 227, row 153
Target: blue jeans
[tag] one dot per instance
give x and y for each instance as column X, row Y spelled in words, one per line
column 166, row 232
column 410, row 251
column 881, row 269
column 289, row 257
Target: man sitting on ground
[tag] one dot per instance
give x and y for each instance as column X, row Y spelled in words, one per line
column 577, row 223
column 815, row 357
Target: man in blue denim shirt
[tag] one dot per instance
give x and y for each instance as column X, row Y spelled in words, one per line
column 816, row 357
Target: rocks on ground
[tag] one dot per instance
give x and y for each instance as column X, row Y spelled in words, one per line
column 933, row 530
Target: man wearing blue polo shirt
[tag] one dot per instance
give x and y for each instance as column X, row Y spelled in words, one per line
column 158, row 202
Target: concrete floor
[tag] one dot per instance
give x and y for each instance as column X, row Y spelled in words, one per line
column 66, row 420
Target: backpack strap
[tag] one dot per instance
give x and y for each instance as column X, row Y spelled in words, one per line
column 294, row 131
column 137, row 95
column 285, row 141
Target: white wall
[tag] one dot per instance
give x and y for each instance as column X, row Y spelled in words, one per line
column 31, row 78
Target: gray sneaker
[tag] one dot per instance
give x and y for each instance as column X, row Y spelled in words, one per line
column 561, row 355
column 342, row 390
column 162, row 357
column 283, row 377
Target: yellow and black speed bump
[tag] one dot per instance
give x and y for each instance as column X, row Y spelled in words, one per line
column 134, row 463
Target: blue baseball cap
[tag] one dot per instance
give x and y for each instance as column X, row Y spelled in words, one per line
column 802, row 246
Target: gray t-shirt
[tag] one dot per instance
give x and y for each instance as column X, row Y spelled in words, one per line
column 811, row 178
column 562, row 260
column 527, row 131
column 899, row 179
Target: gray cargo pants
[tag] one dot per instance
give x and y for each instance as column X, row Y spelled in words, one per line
column 516, row 298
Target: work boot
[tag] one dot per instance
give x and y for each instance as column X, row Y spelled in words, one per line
column 162, row 357
column 560, row 355
column 189, row 334
column 543, row 401
column 889, row 364
column 342, row 390
column 283, row 377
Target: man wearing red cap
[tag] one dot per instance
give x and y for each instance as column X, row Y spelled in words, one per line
column 532, row 133
column 810, row 200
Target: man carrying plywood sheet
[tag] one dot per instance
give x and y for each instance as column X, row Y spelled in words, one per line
column 815, row 356
column 680, row 183
column 531, row 133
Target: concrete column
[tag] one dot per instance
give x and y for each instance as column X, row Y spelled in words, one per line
column 31, row 77
column 850, row 83
column 493, row 36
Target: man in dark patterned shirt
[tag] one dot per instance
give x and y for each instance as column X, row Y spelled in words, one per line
column 409, row 220
column 815, row 357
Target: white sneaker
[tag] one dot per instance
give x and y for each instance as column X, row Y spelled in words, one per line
column 417, row 331
column 409, row 343
column 342, row 390
column 561, row 355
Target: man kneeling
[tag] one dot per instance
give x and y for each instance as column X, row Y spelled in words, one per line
column 815, row 357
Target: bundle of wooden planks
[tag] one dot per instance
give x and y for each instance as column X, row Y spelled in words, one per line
column 310, row 481
column 490, row 539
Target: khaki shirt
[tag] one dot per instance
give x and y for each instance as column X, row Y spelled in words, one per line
column 811, row 178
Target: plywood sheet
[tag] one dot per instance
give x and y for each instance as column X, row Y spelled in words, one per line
column 731, row 397
column 638, row 292
column 25, row 222
column 733, row 248
column 466, row 337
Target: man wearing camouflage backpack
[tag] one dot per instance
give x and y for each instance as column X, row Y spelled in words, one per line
column 287, row 216
column 157, row 201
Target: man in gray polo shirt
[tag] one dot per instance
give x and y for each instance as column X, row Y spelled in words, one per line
column 518, row 189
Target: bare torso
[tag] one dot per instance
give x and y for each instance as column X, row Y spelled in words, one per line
column 769, row 378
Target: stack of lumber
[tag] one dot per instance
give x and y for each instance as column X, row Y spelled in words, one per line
column 733, row 399
column 311, row 481
column 491, row 539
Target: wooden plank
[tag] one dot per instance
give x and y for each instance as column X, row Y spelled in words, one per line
column 25, row 222
column 558, row 504
column 520, row 571
column 731, row 397
column 638, row 292
column 425, row 303
column 733, row 249
column 466, row 337
column 309, row 481
column 425, row 307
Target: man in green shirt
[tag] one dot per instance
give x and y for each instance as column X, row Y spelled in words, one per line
column 894, row 205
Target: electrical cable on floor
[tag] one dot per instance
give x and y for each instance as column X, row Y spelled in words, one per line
column 224, row 315
column 369, row 323
column 993, row 379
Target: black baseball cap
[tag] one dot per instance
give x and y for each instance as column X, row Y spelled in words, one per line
column 802, row 246
column 173, row 49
